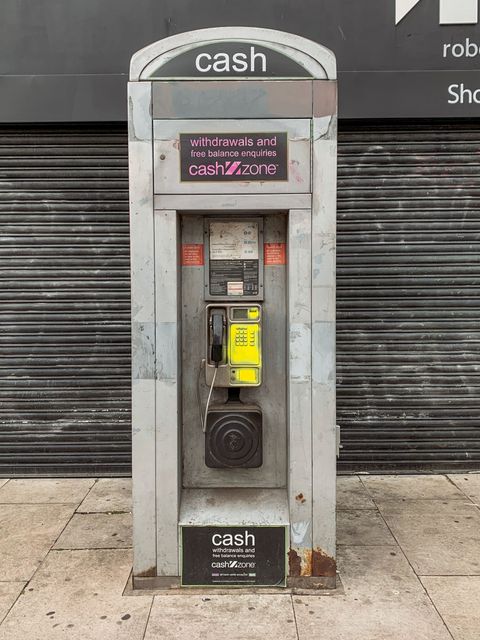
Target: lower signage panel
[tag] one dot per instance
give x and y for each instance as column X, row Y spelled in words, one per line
column 234, row 556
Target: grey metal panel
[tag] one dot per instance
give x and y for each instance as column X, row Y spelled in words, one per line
column 237, row 507
column 168, row 407
column 271, row 395
column 142, row 245
column 324, row 98
column 408, row 275
column 166, row 159
column 324, row 437
column 234, row 201
column 65, row 301
column 300, row 489
column 237, row 99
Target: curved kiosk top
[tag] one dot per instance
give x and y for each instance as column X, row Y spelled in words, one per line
column 233, row 52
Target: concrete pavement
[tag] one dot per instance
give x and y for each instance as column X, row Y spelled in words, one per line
column 408, row 550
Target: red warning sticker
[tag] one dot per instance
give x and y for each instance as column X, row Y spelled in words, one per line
column 274, row 253
column 192, row 255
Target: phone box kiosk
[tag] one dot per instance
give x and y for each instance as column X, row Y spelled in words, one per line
column 232, row 152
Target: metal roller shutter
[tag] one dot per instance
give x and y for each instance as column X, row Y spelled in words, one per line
column 408, row 297
column 408, row 305
column 64, row 301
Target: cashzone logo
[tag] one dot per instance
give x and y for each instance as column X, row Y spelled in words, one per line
column 450, row 11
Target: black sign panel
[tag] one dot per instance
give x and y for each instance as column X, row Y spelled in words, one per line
column 244, row 272
column 233, row 157
column 396, row 58
column 231, row 60
column 234, row 556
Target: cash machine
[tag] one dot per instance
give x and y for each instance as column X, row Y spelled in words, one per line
column 232, row 164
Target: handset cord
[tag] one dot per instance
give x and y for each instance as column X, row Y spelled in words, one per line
column 199, row 395
column 204, row 423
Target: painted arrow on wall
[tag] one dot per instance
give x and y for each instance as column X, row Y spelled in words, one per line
column 451, row 11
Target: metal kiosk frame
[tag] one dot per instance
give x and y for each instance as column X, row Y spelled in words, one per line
column 166, row 96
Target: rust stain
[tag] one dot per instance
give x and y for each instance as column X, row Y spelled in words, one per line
column 300, row 562
column 300, row 498
column 294, row 563
column 323, row 564
column 308, row 562
column 148, row 573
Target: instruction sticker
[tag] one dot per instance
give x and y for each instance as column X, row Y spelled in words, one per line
column 192, row 255
column 274, row 253
column 234, row 256
column 233, row 240
column 234, row 288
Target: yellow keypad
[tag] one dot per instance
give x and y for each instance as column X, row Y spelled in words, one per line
column 244, row 344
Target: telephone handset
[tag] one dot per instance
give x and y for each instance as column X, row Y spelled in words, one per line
column 217, row 320
column 234, row 345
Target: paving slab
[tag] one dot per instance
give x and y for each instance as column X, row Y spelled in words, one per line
column 362, row 527
column 469, row 484
column 9, row 592
column 108, row 495
column 373, row 573
column 383, row 599
column 97, row 531
column 345, row 618
column 27, row 533
column 438, row 537
column 77, row 595
column 351, row 494
column 411, row 488
column 457, row 599
column 49, row 490
column 236, row 617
